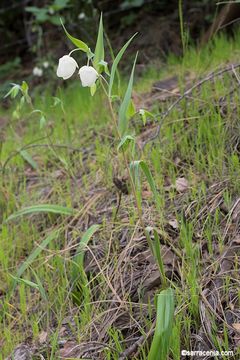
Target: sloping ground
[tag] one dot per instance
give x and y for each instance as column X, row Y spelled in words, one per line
column 196, row 166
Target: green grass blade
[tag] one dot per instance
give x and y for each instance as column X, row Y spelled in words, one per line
column 27, row 157
column 115, row 64
column 40, row 286
column 80, row 290
column 99, row 49
column 56, row 209
column 53, row 235
column 78, row 43
column 158, row 255
column 27, row 263
column 164, row 324
column 26, row 282
column 79, row 257
column 156, row 251
column 135, row 173
column 123, row 118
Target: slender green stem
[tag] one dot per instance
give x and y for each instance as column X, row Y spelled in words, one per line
column 113, row 115
column 73, row 51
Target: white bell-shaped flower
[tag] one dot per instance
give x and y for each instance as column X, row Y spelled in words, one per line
column 66, row 67
column 88, row 75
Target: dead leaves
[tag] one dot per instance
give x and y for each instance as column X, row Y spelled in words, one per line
column 236, row 326
column 182, row 184
column 22, row 352
column 42, row 338
column 70, row 350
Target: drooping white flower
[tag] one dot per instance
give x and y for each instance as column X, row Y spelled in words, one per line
column 37, row 71
column 66, row 67
column 88, row 75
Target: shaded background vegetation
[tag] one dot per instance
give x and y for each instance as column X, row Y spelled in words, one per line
column 30, row 29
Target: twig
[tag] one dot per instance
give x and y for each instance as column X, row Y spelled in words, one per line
column 229, row 23
column 186, row 93
column 236, row 75
column 59, row 146
column 134, row 347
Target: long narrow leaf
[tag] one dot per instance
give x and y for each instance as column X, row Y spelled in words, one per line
column 26, row 282
column 156, row 251
column 158, row 255
column 79, row 257
column 164, row 324
column 125, row 142
column 115, row 64
column 40, row 286
column 80, row 290
column 134, row 167
column 56, row 209
column 79, row 43
column 131, row 111
column 28, row 262
column 36, row 252
column 99, row 49
column 27, row 157
column 123, row 119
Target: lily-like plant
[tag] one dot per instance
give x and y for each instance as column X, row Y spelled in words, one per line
column 95, row 74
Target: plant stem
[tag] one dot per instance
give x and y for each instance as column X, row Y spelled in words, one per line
column 139, row 210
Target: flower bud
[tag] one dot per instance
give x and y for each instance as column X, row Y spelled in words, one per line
column 81, row 16
column 88, row 75
column 66, row 67
column 46, row 64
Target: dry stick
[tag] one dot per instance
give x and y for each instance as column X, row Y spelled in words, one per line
column 186, row 93
column 236, row 75
column 133, row 348
column 59, row 146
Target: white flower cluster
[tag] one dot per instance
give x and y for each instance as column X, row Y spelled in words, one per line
column 67, row 67
column 37, row 71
